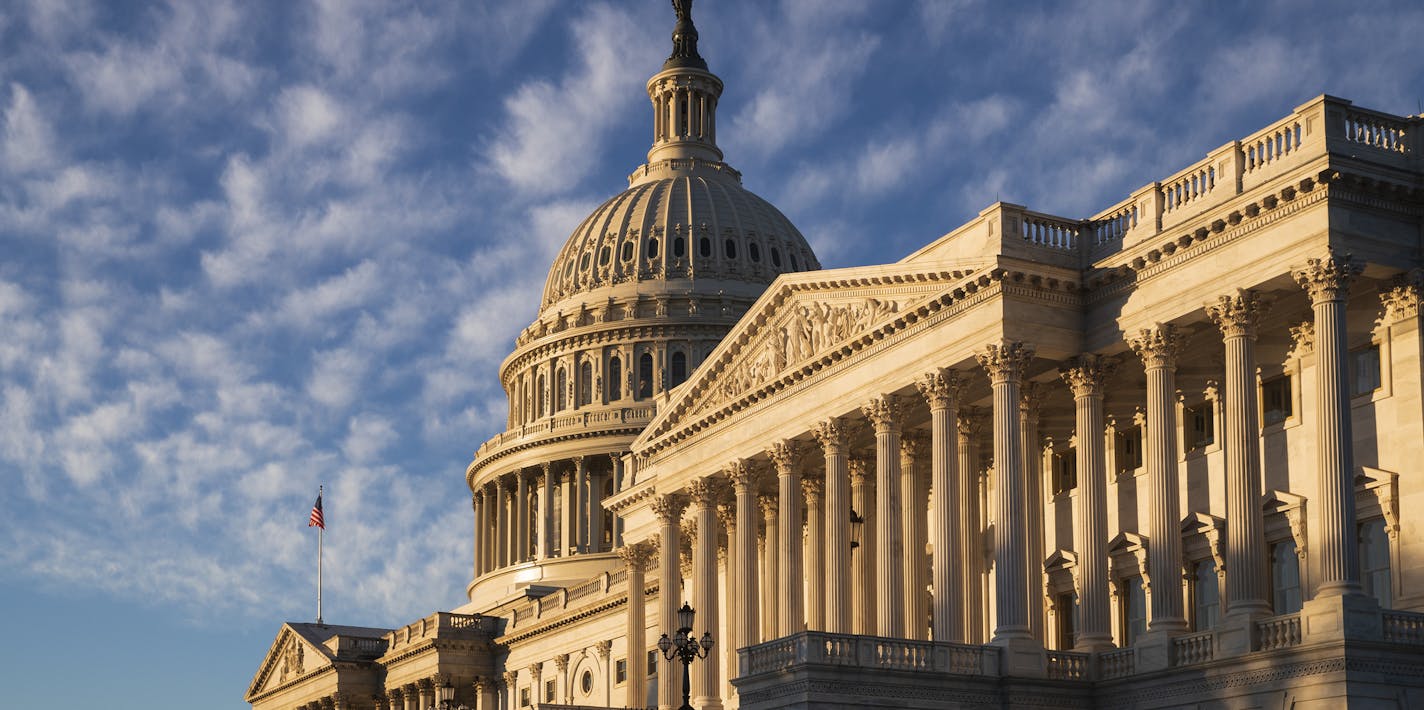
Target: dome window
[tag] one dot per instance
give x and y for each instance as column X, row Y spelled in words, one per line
column 679, row 247
column 731, row 249
column 679, row 368
column 615, row 379
column 627, row 251
column 776, row 257
column 794, row 266
column 543, row 397
column 583, row 263
column 705, row 248
column 561, row 387
column 585, row 385
column 652, row 250
column 604, row 255
column 645, row 376
column 754, row 252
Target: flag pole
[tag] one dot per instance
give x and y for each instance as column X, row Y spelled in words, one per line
column 320, row 534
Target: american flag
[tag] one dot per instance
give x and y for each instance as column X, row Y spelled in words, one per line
column 316, row 519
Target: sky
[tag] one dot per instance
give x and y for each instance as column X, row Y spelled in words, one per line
column 250, row 248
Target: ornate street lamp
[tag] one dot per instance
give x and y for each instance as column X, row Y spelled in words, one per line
column 685, row 648
column 855, row 524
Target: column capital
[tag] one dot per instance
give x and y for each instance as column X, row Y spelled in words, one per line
column 857, row 469
column 885, row 412
column 940, row 387
column 832, row 434
column 784, row 454
column 1158, row 346
column 578, row 462
column 546, row 466
column 603, row 648
column 1328, row 278
column 727, row 514
column 668, row 508
column 1237, row 314
column 970, row 422
column 1086, row 373
column 743, row 475
column 769, row 504
column 705, row 491
column 536, row 670
column 914, row 445
column 1302, row 338
column 813, row 487
column 636, row 554
column 1006, row 361
column 1401, row 300
column 561, row 663
column 1031, row 396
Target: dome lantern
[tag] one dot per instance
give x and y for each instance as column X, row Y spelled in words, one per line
column 684, row 96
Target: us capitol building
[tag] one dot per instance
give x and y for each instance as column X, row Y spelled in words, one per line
column 1160, row 457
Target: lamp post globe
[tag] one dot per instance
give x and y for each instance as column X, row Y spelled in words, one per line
column 686, row 648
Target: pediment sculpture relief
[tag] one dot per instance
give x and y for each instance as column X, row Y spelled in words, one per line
column 807, row 330
column 291, row 660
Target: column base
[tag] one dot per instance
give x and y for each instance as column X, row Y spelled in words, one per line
column 1021, row 657
column 1348, row 617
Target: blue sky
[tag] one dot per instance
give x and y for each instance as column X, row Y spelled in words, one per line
column 247, row 248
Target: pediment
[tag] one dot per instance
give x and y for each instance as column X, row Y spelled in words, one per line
column 290, row 657
column 802, row 320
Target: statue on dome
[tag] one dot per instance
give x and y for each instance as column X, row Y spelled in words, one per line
column 684, row 39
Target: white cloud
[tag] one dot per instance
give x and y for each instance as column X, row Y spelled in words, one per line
column 28, row 141
column 337, row 377
column 367, row 436
column 308, row 114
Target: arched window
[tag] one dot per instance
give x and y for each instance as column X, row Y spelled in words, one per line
column 645, row 376
column 679, row 368
column 603, row 256
column 754, row 252
column 705, row 247
column 794, row 266
column 1285, row 577
column 561, row 387
column 652, row 250
column 615, row 379
column 775, row 257
column 679, row 247
column 585, row 384
column 543, row 393
column 731, row 249
column 608, row 519
column 1206, row 595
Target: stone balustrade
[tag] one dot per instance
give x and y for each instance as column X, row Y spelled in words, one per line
column 1405, row 627
column 575, row 422
column 867, row 652
column 1279, row 632
column 1117, row 664
column 1069, row 665
column 1195, row 648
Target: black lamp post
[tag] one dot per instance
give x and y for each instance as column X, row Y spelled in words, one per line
column 855, row 524
column 685, row 648
column 445, row 696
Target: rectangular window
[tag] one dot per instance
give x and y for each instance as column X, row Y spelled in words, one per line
column 1276, row 400
column 1066, row 609
column 1200, row 426
column 1285, row 577
column 524, row 697
column 1374, row 562
column 1128, row 445
column 652, row 662
column 1206, row 595
column 1134, row 610
column 549, row 691
column 620, row 671
column 1065, row 472
column 1364, row 370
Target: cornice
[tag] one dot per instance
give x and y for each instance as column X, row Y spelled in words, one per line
column 482, row 463
column 713, row 327
column 569, row 618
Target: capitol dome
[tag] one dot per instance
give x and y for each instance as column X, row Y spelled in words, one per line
column 688, row 230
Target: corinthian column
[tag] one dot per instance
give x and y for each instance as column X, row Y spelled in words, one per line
column 668, row 509
column 941, row 391
column 1085, row 375
column 830, row 434
column 706, row 687
column 635, row 560
column 771, row 578
column 914, row 454
column 521, row 516
column 744, row 483
column 970, row 549
column 885, row 414
column 815, row 548
column 1005, row 364
column 1237, row 316
column 546, row 510
column 790, row 591
column 863, row 559
column 1158, row 347
column 580, row 514
column 727, row 514
column 1327, row 281
column 1030, row 401
column 477, row 499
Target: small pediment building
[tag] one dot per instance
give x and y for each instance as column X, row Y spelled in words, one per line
column 1169, row 455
